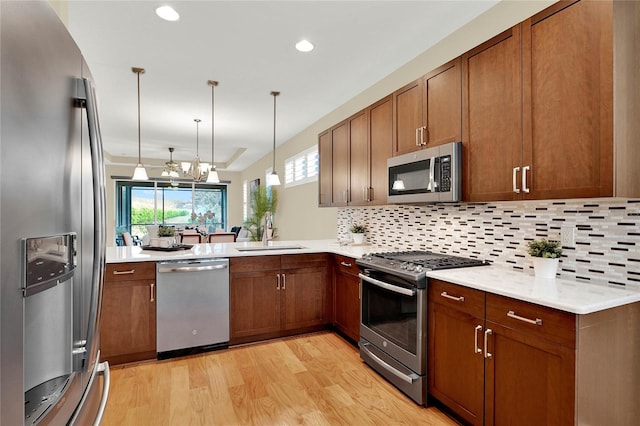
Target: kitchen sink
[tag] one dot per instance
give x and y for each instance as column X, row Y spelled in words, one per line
column 267, row 248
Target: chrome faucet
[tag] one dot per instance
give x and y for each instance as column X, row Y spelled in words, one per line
column 267, row 228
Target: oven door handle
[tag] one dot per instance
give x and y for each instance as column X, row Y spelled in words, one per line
column 404, row 377
column 387, row 286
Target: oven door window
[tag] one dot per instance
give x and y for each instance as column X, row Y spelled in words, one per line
column 392, row 315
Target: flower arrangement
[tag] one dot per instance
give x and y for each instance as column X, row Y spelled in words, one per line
column 544, row 248
column 358, row 229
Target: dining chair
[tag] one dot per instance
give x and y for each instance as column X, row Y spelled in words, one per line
column 222, row 237
column 127, row 238
column 190, row 239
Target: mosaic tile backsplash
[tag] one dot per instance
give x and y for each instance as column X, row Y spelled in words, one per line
column 607, row 233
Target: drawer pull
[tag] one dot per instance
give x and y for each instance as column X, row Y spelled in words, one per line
column 513, row 315
column 348, row 265
column 131, row 271
column 448, row 296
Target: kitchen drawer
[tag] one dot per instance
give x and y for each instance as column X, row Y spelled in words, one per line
column 130, row 271
column 461, row 298
column 254, row 263
column 346, row 264
column 311, row 260
column 536, row 320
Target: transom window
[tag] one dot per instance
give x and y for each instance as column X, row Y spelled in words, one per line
column 301, row 168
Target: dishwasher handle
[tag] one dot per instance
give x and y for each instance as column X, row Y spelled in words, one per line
column 192, row 268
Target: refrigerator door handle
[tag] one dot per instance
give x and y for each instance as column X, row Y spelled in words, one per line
column 103, row 368
column 97, row 164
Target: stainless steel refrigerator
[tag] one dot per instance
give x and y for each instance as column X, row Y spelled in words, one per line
column 51, row 224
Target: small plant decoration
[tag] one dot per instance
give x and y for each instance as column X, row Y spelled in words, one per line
column 544, row 248
column 358, row 229
column 166, row 231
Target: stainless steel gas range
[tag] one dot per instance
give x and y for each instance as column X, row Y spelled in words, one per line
column 393, row 324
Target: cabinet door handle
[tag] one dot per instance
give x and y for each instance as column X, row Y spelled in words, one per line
column 475, row 339
column 515, row 178
column 348, row 265
column 345, row 196
column 448, row 296
column 417, row 137
column 513, row 315
column 130, row 271
column 525, row 188
column 284, row 282
column 423, row 130
column 152, row 299
column 278, row 282
column 487, row 354
column 364, row 193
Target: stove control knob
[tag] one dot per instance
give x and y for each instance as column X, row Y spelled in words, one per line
column 418, row 268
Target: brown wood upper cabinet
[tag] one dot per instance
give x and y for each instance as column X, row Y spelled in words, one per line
column 427, row 112
column 538, row 107
column 325, row 158
column 353, row 157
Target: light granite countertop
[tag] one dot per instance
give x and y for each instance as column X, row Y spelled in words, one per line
column 567, row 295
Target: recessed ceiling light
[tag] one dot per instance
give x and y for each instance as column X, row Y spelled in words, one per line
column 167, row 13
column 304, row 46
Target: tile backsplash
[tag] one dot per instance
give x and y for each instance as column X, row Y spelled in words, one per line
column 607, row 233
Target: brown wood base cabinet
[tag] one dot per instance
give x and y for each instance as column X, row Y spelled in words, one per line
column 495, row 360
column 128, row 318
column 346, row 296
column 272, row 296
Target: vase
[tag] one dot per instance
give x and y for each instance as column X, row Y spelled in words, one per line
column 358, row 238
column 545, row 267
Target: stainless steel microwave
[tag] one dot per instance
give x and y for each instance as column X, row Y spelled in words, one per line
column 426, row 176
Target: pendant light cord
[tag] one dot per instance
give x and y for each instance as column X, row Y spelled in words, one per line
column 139, row 151
column 213, row 84
column 275, row 94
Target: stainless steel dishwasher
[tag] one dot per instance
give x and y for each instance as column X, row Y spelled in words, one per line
column 192, row 306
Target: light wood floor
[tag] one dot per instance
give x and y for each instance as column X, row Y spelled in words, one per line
column 315, row 379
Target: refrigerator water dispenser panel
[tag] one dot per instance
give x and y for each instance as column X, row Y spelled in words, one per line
column 48, row 261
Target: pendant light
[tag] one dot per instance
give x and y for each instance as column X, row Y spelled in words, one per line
column 273, row 179
column 213, row 173
column 139, row 173
column 195, row 168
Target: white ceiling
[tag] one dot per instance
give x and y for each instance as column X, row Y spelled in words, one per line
column 248, row 46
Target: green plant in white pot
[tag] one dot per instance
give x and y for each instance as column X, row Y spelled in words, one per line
column 545, row 254
column 357, row 233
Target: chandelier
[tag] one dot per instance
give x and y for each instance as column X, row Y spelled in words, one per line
column 171, row 169
column 196, row 169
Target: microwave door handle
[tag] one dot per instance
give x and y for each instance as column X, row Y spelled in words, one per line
column 432, row 167
column 387, row 286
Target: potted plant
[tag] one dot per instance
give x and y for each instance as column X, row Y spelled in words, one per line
column 166, row 235
column 546, row 255
column 357, row 233
column 262, row 200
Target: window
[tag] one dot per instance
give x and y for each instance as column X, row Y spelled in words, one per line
column 139, row 204
column 302, row 168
